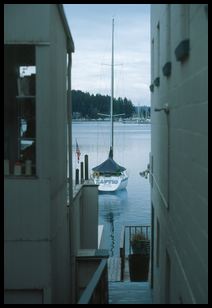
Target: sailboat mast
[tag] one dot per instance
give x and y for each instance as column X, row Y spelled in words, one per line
column 112, row 88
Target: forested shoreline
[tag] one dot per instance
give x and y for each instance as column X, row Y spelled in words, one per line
column 86, row 105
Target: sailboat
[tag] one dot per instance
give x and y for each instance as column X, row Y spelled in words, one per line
column 109, row 175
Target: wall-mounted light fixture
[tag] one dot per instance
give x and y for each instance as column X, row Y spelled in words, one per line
column 165, row 109
column 182, row 50
column 157, row 81
column 151, row 87
column 167, row 69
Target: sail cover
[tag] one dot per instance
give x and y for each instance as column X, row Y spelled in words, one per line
column 108, row 166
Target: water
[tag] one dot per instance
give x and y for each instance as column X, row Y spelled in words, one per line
column 131, row 150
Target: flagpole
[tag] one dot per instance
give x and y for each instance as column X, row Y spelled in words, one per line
column 77, row 151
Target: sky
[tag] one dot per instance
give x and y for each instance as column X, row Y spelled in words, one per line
column 91, row 29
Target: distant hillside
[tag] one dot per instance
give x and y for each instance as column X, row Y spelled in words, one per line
column 88, row 105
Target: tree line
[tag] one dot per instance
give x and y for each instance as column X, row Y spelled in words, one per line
column 86, row 105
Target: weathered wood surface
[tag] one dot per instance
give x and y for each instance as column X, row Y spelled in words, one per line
column 114, row 269
column 130, row 293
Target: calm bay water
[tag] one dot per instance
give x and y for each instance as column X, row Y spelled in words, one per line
column 131, row 150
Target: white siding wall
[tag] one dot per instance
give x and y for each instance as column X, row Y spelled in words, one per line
column 37, row 238
column 57, row 157
column 182, row 159
column 27, row 237
column 84, row 224
column 89, row 217
column 27, row 23
column 85, row 218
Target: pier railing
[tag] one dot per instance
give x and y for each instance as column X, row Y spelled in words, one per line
column 96, row 291
column 122, row 251
column 127, row 233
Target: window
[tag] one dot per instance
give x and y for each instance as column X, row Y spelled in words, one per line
column 19, row 110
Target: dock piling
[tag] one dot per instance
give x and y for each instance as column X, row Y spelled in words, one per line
column 77, row 176
column 81, row 172
column 86, row 167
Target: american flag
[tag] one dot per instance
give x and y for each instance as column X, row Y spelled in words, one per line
column 77, row 151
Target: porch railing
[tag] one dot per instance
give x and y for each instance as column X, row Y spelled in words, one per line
column 125, row 241
column 96, row 291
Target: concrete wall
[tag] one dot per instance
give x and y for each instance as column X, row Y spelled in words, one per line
column 179, row 157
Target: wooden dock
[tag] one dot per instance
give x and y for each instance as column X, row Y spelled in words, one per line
column 114, row 269
column 130, row 293
column 125, row 291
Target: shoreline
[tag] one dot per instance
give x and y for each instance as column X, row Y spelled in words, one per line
column 101, row 120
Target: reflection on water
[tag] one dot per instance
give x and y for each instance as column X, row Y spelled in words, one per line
column 131, row 150
column 111, row 209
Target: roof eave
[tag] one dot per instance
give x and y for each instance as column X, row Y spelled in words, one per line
column 70, row 42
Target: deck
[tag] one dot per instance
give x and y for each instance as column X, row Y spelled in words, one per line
column 129, row 293
column 114, row 269
column 125, row 291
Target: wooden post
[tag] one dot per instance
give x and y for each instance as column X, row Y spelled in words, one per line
column 81, row 172
column 86, row 167
column 77, row 176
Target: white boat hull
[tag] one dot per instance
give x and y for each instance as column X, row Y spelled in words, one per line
column 111, row 183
